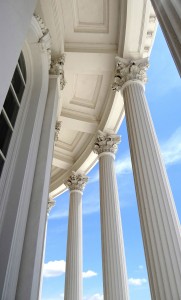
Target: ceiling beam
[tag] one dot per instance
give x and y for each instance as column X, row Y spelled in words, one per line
column 79, row 122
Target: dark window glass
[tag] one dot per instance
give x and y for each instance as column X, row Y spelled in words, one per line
column 18, row 84
column 11, row 107
column 1, row 164
column 21, row 62
column 5, row 134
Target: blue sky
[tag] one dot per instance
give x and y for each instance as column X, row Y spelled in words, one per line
column 163, row 92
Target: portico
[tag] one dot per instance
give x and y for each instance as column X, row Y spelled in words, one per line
column 74, row 101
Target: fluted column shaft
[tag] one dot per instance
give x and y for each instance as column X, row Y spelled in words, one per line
column 158, row 216
column 73, row 277
column 113, row 257
column 169, row 15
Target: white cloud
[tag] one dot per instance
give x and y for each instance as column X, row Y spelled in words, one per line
column 94, row 297
column 171, row 149
column 57, row 268
column 89, row 274
column 140, row 267
column 54, row 268
column 137, row 281
column 58, row 215
column 94, row 178
column 123, row 165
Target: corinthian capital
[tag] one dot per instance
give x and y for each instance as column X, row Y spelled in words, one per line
column 76, row 182
column 106, row 142
column 57, row 68
column 127, row 69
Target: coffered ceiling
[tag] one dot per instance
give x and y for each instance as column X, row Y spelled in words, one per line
column 91, row 33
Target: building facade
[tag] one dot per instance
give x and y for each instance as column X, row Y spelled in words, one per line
column 70, row 72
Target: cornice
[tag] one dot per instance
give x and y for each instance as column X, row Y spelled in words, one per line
column 45, row 39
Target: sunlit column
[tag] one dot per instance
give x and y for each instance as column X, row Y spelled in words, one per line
column 159, row 221
column 73, row 278
column 51, row 204
column 169, row 16
column 113, row 257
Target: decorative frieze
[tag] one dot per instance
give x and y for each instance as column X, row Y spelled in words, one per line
column 57, row 129
column 45, row 40
column 57, row 68
column 51, row 204
column 76, row 181
column 106, row 142
column 127, row 69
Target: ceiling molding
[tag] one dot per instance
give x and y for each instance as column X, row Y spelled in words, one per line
column 139, row 31
column 88, row 126
column 80, row 79
column 61, row 145
column 91, row 47
column 62, row 161
column 86, row 23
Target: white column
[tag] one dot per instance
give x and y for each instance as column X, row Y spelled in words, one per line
column 168, row 13
column 73, row 277
column 33, row 247
column 51, row 204
column 113, row 257
column 159, row 221
column 15, row 18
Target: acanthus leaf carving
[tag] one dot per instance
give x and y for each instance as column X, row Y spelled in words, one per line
column 57, row 68
column 127, row 69
column 76, row 181
column 106, row 142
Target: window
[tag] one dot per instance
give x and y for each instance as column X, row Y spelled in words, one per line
column 11, row 107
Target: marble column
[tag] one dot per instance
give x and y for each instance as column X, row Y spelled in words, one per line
column 51, row 204
column 73, row 277
column 169, row 16
column 113, row 257
column 159, row 220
